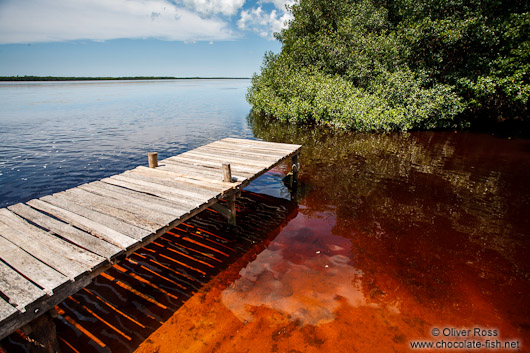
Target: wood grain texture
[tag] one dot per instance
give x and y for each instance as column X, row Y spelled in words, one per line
column 19, row 290
column 119, row 239
column 157, row 204
column 69, row 259
column 107, row 220
column 37, row 271
column 66, row 231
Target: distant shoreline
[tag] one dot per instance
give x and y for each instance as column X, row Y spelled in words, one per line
column 56, row 78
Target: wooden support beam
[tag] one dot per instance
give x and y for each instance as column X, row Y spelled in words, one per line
column 42, row 337
column 152, row 157
column 295, row 166
column 231, row 203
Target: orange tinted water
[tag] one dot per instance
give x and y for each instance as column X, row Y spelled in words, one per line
column 396, row 235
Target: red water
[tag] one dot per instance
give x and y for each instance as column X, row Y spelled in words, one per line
column 395, row 236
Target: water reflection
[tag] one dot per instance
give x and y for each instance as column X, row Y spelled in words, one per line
column 437, row 220
column 302, row 274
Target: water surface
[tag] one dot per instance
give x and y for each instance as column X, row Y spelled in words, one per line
column 394, row 234
column 57, row 135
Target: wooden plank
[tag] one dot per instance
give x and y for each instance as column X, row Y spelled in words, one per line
column 154, row 190
column 157, row 204
column 225, row 151
column 201, row 157
column 109, row 221
column 7, row 311
column 192, row 190
column 278, row 145
column 155, row 218
column 37, row 271
column 37, row 250
column 42, row 306
column 250, row 162
column 110, row 235
column 29, row 237
column 260, row 145
column 174, row 188
column 66, row 231
column 197, row 171
column 205, row 183
column 237, row 169
column 17, row 289
column 90, row 201
column 249, row 148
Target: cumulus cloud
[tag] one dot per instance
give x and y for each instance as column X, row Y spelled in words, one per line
column 263, row 22
column 33, row 21
column 279, row 4
column 212, row 7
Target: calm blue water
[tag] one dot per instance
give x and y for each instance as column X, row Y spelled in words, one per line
column 55, row 136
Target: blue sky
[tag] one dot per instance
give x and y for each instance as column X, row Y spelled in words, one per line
column 138, row 37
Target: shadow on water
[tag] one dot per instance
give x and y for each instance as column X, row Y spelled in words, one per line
column 126, row 304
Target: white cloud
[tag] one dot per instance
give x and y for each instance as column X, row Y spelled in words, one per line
column 262, row 22
column 33, row 21
column 279, row 4
column 212, row 7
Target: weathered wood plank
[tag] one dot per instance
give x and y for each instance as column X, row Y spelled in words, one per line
column 202, row 162
column 196, row 170
column 7, row 311
column 248, row 148
column 249, row 167
column 153, row 218
column 223, row 151
column 66, row 231
column 109, row 221
column 268, row 144
column 110, row 235
column 41, row 306
column 30, row 238
column 157, row 204
column 37, row 250
column 37, row 271
column 153, row 190
column 244, row 162
column 19, row 290
column 194, row 191
column 86, row 199
column 173, row 188
column 205, row 183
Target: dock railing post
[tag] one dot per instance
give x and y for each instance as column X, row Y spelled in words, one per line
column 152, row 157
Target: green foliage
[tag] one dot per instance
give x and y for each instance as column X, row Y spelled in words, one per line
column 397, row 65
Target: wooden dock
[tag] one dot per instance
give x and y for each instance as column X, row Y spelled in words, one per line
column 53, row 246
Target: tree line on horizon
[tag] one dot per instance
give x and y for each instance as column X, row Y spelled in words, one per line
column 399, row 65
column 75, row 78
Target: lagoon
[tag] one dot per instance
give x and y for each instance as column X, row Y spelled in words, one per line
column 393, row 235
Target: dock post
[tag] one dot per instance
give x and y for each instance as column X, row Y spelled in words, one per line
column 231, row 202
column 227, row 172
column 231, row 199
column 294, row 168
column 152, row 157
column 42, row 335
